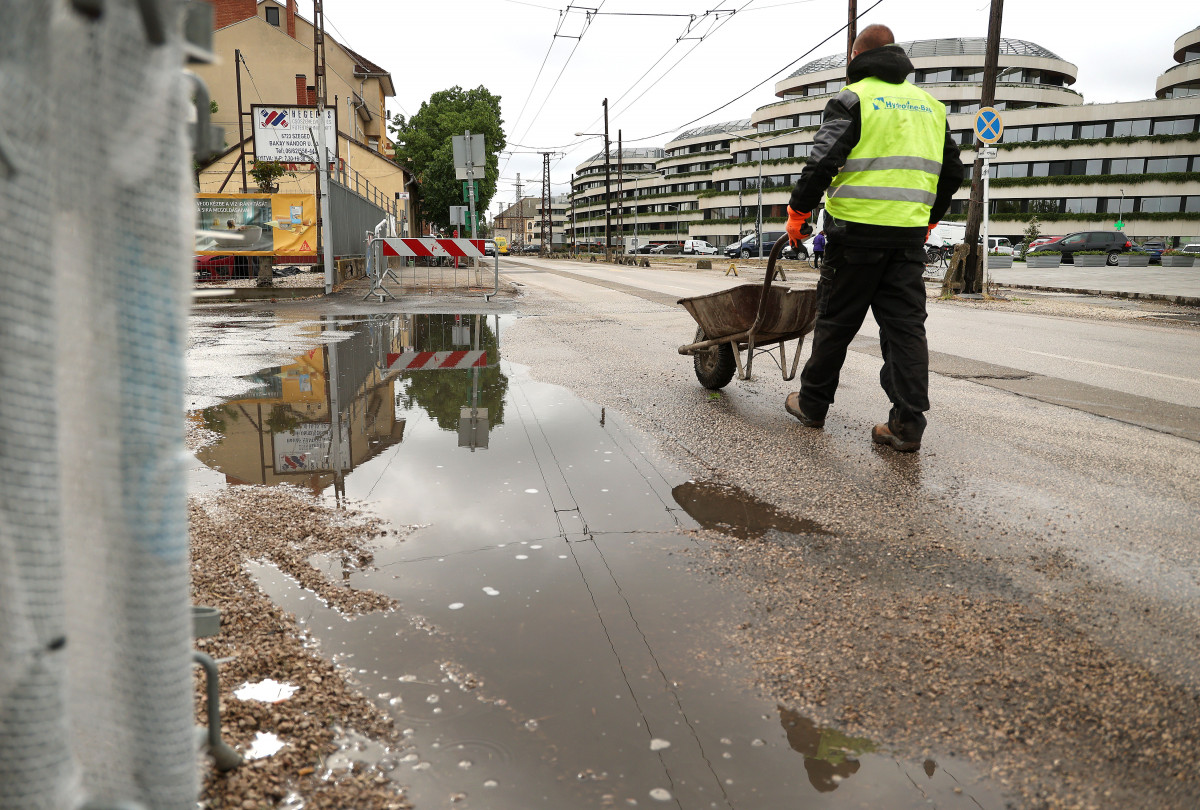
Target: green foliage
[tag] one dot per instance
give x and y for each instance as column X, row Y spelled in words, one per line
column 1088, row 179
column 1124, row 139
column 424, row 147
column 1086, row 252
column 266, row 172
column 1044, row 253
column 1180, row 253
column 1128, row 216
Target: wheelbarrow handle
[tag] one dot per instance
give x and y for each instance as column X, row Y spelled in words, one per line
column 776, row 250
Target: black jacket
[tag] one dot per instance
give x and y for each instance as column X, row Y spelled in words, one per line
column 840, row 133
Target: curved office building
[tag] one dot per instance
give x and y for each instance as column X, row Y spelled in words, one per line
column 1075, row 166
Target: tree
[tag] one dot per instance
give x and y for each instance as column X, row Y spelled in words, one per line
column 423, row 147
column 1032, row 232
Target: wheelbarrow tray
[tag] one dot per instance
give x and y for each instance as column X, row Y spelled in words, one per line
column 729, row 314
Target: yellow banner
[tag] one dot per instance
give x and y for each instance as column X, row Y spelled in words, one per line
column 256, row 224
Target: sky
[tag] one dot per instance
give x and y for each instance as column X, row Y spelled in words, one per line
column 552, row 86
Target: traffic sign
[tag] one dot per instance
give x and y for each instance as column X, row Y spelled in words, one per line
column 988, row 126
column 466, row 194
column 987, row 153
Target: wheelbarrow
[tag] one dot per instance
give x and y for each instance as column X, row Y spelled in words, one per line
column 751, row 319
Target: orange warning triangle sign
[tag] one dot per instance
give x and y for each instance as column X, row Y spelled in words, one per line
column 305, row 245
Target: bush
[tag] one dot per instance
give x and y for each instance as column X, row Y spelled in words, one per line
column 1174, row 252
column 1044, row 253
column 1085, row 252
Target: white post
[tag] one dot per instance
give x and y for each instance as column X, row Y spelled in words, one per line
column 758, row 223
column 323, row 183
column 986, row 249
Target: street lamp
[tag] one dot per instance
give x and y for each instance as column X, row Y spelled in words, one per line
column 636, row 177
column 758, row 224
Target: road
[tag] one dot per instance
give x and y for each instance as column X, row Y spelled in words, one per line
column 639, row 591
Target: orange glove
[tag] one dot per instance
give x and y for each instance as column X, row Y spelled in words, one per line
column 932, row 225
column 795, row 226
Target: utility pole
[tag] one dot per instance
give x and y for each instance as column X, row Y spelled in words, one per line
column 324, row 243
column 851, row 33
column 520, row 213
column 547, row 220
column 237, row 61
column 574, row 227
column 620, row 191
column 987, row 98
column 607, row 192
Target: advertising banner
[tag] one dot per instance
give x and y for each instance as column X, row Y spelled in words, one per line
column 256, row 224
column 288, row 134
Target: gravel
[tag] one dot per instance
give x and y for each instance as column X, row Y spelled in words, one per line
column 284, row 526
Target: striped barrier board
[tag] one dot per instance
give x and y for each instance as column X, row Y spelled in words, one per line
column 420, row 361
column 431, row 246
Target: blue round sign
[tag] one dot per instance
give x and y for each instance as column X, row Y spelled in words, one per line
column 988, row 126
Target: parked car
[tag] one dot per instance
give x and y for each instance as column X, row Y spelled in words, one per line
column 747, row 248
column 646, row 249
column 489, row 249
column 531, row 248
column 1111, row 242
column 1036, row 243
column 668, row 248
column 698, row 247
column 1155, row 248
column 998, row 244
column 1194, row 247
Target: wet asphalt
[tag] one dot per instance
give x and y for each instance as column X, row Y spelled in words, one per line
column 562, row 641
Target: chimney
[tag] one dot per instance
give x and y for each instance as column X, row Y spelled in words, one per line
column 227, row 12
column 291, row 18
column 301, row 88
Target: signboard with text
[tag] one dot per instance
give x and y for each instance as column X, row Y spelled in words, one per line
column 288, row 133
column 256, row 224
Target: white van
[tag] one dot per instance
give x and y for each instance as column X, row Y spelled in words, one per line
column 998, row 244
column 699, row 247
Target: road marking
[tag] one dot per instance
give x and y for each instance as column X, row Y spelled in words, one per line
column 1111, row 365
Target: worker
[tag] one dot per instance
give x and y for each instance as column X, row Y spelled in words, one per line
column 885, row 156
column 818, row 250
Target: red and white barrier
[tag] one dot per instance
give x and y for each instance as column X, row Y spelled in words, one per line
column 430, row 246
column 420, row 361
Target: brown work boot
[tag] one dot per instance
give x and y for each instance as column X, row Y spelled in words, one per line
column 792, row 406
column 882, row 434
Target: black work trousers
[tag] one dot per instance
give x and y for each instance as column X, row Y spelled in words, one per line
column 889, row 282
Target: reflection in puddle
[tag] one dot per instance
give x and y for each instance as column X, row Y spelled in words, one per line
column 736, row 512
column 829, row 755
column 313, row 420
column 554, row 647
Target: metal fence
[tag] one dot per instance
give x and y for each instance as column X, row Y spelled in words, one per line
column 355, row 206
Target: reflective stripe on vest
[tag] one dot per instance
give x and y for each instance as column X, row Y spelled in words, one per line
column 890, row 177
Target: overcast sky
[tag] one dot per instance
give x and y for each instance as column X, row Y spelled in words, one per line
column 1119, row 49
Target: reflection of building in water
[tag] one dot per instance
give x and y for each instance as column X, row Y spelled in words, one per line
column 315, row 418
column 827, row 752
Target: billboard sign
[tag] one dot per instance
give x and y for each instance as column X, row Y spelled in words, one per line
column 256, row 224
column 288, row 133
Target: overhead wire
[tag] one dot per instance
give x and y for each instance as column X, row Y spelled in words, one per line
column 740, row 96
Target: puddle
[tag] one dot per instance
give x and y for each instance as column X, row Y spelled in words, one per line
column 734, row 511
column 553, row 647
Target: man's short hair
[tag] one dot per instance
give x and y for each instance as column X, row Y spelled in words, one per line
column 873, row 36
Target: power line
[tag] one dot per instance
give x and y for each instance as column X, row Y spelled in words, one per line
column 755, row 87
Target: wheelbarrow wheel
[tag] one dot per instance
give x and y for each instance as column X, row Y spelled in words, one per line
column 715, row 365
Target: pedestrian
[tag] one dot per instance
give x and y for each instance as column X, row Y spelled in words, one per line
column 818, row 249
column 885, row 156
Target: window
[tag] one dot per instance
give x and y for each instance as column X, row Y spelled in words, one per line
column 1082, row 205
column 1040, row 170
column 1161, row 204
column 1006, row 206
column 968, row 74
column 1172, row 164
column 1018, row 134
column 1175, row 126
column 1127, row 166
column 1056, row 132
column 809, row 120
column 777, row 152
column 1191, row 204
column 1094, row 130
column 1119, row 205
column 1139, row 127
column 272, row 15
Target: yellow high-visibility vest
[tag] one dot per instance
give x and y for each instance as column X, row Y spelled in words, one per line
column 891, row 175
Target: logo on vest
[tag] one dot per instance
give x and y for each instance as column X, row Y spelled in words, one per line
column 903, row 104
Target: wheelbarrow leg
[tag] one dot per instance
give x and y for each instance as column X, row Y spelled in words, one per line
column 737, row 354
column 749, row 360
column 795, row 358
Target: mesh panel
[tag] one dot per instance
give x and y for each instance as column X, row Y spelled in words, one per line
column 95, row 676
